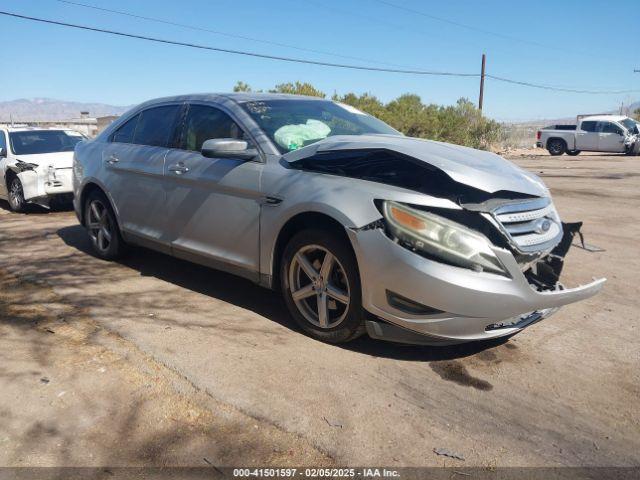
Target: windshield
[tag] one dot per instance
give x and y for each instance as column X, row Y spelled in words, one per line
column 293, row 124
column 33, row 142
column 630, row 125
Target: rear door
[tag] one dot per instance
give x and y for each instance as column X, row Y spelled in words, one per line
column 213, row 204
column 134, row 166
column 3, row 164
column 587, row 136
column 610, row 137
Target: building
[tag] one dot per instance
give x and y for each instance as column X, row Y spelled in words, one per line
column 85, row 124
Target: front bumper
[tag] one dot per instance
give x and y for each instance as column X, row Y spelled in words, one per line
column 41, row 183
column 468, row 305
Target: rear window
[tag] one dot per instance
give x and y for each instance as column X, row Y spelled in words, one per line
column 153, row 127
column 125, row 133
column 156, row 125
column 588, row 126
column 34, row 142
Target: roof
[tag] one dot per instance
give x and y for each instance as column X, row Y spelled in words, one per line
column 238, row 97
column 256, row 96
column 605, row 118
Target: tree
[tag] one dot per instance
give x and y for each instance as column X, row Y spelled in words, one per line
column 636, row 114
column 298, row 88
column 366, row 102
column 242, row 87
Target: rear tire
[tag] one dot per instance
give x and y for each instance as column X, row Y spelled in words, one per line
column 17, row 203
column 573, row 153
column 556, row 146
column 102, row 226
column 321, row 286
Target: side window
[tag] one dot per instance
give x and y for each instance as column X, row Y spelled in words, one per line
column 3, row 142
column 204, row 123
column 588, row 126
column 125, row 133
column 608, row 127
column 156, row 125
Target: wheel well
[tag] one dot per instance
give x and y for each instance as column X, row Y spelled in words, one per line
column 86, row 191
column 558, row 138
column 296, row 224
column 8, row 177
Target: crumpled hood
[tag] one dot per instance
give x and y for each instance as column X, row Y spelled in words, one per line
column 43, row 160
column 479, row 169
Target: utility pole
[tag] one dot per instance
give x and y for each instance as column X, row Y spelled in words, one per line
column 480, row 101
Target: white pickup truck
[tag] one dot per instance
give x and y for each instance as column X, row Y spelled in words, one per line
column 594, row 133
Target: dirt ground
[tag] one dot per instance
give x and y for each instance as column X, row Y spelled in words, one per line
column 155, row 361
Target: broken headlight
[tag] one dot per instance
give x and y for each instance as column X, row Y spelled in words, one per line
column 24, row 166
column 441, row 239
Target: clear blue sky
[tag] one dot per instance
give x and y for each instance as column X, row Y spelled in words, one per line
column 587, row 44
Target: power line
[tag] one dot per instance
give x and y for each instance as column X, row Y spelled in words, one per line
column 226, row 34
column 560, row 89
column 237, row 52
column 459, row 24
column 305, row 61
column 473, row 28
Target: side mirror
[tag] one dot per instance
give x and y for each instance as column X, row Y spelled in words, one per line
column 228, row 148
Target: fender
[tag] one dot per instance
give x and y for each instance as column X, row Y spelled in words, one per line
column 80, row 197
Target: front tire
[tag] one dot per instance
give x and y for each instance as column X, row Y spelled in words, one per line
column 102, row 226
column 556, row 146
column 573, row 153
column 17, row 203
column 321, row 286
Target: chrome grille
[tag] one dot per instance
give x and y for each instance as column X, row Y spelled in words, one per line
column 532, row 226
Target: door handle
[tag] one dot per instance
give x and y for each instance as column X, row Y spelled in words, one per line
column 112, row 160
column 178, row 169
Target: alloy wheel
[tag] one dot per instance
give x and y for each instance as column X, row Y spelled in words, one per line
column 556, row 147
column 99, row 225
column 319, row 286
column 16, row 194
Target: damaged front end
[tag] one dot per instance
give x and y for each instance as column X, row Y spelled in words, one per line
column 41, row 184
column 487, row 268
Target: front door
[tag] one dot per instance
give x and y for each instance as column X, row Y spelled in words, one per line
column 134, row 167
column 213, row 204
column 610, row 137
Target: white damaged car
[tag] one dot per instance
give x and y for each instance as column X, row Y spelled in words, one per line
column 36, row 166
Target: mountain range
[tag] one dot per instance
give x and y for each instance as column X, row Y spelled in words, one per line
column 49, row 109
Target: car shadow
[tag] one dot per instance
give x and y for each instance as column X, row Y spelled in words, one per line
column 31, row 208
column 262, row 301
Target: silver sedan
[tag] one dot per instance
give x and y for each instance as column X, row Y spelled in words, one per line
column 361, row 228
